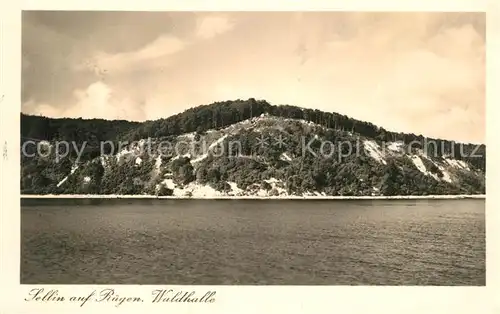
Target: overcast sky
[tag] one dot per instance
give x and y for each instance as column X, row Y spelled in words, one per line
column 412, row 72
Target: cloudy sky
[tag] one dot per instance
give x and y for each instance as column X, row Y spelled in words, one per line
column 412, row 72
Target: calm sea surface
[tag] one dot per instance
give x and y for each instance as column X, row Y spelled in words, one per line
column 367, row 242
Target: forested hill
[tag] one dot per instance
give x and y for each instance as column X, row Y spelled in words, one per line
column 222, row 114
column 280, row 151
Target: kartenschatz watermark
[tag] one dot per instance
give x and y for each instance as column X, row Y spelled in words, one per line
column 312, row 146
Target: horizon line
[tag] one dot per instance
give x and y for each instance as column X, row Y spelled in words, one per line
column 253, row 197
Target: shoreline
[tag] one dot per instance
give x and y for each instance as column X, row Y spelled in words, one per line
column 228, row 197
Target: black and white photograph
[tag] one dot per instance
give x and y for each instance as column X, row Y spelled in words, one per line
column 253, row 148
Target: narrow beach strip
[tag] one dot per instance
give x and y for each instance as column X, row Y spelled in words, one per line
column 253, row 197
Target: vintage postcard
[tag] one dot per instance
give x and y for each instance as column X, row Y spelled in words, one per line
column 219, row 160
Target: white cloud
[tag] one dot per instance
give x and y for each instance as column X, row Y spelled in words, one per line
column 96, row 101
column 157, row 53
column 42, row 109
column 163, row 46
column 406, row 78
column 213, row 25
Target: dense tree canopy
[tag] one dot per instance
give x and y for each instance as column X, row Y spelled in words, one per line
column 348, row 175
